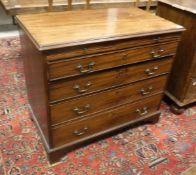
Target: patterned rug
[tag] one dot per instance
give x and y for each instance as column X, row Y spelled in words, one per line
column 166, row 148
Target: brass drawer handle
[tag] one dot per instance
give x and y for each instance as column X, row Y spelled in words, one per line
column 142, row 111
column 151, row 71
column 157, row 54
column 80, row 112
column 79, row 90
column 147, row 91
column 83, row 70
column 81, row 131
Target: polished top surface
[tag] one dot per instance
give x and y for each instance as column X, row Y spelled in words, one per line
column 187, row 5
column 60, row 29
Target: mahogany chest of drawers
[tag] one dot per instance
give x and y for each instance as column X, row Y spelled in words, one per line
column 181, row 87
column 92, row 73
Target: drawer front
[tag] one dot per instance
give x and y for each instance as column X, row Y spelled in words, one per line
column 88, row 126
column 75, row 67
column 104, row 80
column 191, row 92
column 109, row 46
column 88, row 105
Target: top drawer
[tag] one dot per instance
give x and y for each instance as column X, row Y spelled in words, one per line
column 109, row 46
column 93, row 63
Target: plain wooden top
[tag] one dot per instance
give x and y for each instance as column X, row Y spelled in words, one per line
column 187, row 5
column 60, row 29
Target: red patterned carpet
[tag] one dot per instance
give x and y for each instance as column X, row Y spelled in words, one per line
column 167, row 148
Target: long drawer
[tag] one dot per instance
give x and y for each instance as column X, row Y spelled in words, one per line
column 109, row 46
column 93, row 63
column 103, row 121
column 84, row 85
column 88, row 105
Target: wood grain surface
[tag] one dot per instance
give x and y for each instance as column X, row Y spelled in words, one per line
column 93, row 63
column 61, row 90
column 181, row 86
column 123, row 86
column 89, row 49
column 103, row 121
column 185, row 5
column 88, row 105
column 90, row 26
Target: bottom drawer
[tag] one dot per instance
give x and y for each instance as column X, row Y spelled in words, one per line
column 85, row 127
